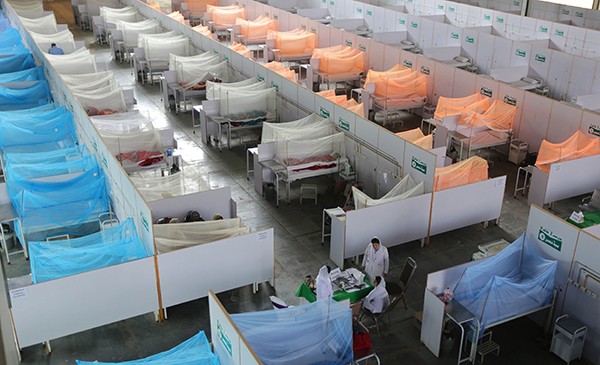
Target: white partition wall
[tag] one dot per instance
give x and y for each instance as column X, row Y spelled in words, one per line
column 207, row 203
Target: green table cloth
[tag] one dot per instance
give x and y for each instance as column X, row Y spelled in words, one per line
column 589, row 219
column 338, row 295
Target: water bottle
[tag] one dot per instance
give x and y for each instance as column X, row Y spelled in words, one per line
column 169, row 152
column 447, row 295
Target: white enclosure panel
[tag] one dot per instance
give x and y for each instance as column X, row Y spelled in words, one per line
column 543, row 29
column 576, row 41
column 539, row 62
column 427, row 67
column 207, row 203
column 57, row 308
column 590, row 123
column 596, row 82
column 306, row 98
column 188, row 274
column 444, row 81
column 248, row 66
column 367, row 131
column 324, row 107
column 408, row 59
column 420, row 164
column 468, row 204
column 514, row 96
column 469, row 43
column 392, row 145
column 388, row 176
column 564, row 121
column 426, row 33
column 289, row 90
column 580, row 82
column 520, row 54
column 338, row 240
column 499, row 21
column 224, row 335
column 345, row 119
column 558, row 74
column 336, row 36
column 401, row 22
column 502, row 47
column 394, row 223
column 374, row 51
column 572, row 178
column 274, row 80
column 433, row 321
column 548, row 232
column 323, row 38
column 349, row 39
column 464, row 83
column 453, row 36
column 558, row 36
column 485, row 51
column 390, row 21
column 414, row 27
column 488, row 87
column 534, row 120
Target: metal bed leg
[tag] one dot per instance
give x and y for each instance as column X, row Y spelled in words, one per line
column 48, row 347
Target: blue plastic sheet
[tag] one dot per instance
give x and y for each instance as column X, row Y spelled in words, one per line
column 38, row 128
column 515, row 281
column 32, row 74
column 38, row 170
column 316, row 333
column 16, row 62
column 14, row 97
column 195, row 351
column 56, row 259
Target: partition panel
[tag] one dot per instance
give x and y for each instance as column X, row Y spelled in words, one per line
column 224, row 335
column 513, row 96
column 60, row 307
column 572, row 178
column 433, row 321
column 558, row 74
column 590, row 123
column 207, row 203
column 564, row 121
column 420, row 164
column 488, row 87
column 345, row 119
column 580, row 82
column 391, row 57
column 443, row 81
column 534, row 120
column 464, row 83
column 502, row 47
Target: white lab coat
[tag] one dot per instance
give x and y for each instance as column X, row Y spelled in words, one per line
column 323, row 282
column 377, row 300
column 376, row 262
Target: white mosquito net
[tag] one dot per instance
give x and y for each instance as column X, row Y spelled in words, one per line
column 406, row 188
column 142, row 37
column 31, row 10
column 91, row 82
column 189, row 180
column 175, row 236
column 135, row 150
column 111, row 15
column 322, row 150
column 107, row 102
column 128, row 122
column 312, row 126
column 213, row 89
column 79, row 62
column 64, row 40
column 42, row 25
column 161, row 48
column 131, row 30
column 240, row 105
column 194, row 69
column 219, row 90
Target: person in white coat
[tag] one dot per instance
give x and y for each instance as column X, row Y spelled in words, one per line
column 376, row 261
column 378, row 299
column 323, row 282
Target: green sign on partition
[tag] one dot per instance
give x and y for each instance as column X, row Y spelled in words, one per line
column 414, row 24
column 275, row 85
column 559, row 32
column 332, row 3
column 451, row 9
column 362, row 47
column 540, row 58
column 499, row 20
column 520, row 53
column 516, row 3
column 594, row 130
column 313, row 30
column 402, row 21
column 407, row 63
column 343, row 123
column 470, row 39
column 543, row 29
column 225, row 341
column 454, row 35
column 565, row 11
column 418, row 165
column 549, row 238
column 359, row 10
column 441, row 6
column 348, row 43
column 324, row 112
column 510, row 100
column 260, row 77
column 144, row 221
column 369, row 13
column 425, row 70
column 579, row 14
column 486, row 92
column 487, row 17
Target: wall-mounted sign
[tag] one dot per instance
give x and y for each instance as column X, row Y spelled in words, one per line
column 594, row 129
column 549, row 238
column 362, row 47
column 510, row 100
column 274, row 84
column 441, row 6
column 486, row 92
column 369, row 13
column 407, row 63
column 324, row 112
column 454, row 35
column 565, row 11
column 499, row 20
column 487, row 17
column 275, row 16
column 559, row 32
column 470, row 39
column 540, row 58
column 516, row 3
column 402, row 21
column 332, row 3
column 260, row 77
column 418, row 165
column 303, row 26
column 543, row 29
column 451, row 9
column 414, row 24
column 225, row 341
column 313, row 30
column 348, row 43
column 359, row 10
column 520, row 53
column 343, row 123
column 579, row 14
column 144, row 221
column 425, row 70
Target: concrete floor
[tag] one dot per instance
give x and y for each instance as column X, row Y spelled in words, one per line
column 298, row 252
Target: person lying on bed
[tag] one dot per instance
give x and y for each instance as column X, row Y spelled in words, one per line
column 378, row 299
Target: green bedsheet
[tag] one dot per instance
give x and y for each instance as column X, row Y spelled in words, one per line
column 338, row 295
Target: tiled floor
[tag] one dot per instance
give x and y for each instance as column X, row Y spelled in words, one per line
column 298, row 252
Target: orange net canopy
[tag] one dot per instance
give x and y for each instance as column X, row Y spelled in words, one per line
column 457, row 106
column 177, row 16
column 358, row 109
column 577, row 146
column 401, row 86
column 153, row 5
column 498, row 117
column 297, row 42
column 469, row 171
column 226, row 14
column 282, row 70
column 241, row 49
column 257, row 28
column 202, row 30
column 346, row 60
column 416, row 137
column 394, row 71
column 341, row 100
column 196, row 6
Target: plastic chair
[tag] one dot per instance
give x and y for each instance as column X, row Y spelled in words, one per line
column 591, row 203
column 381, row 317
column 398, row 289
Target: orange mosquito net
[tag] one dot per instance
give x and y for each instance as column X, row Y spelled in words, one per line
column 294, row 43
column 241, row 49
column 202, row 30
column 394, row 71
column 469, row 171
column 358, row 109
column 416, row 137
column 153, row 5
column 282, row 70
column 341, row 100
column 413, row 84
column 177, row 16
column 226, row 14
column 498, row 117
column 196, row 6
column 457, row 106
column 344, row 60
column 577, row 146
column 257, row 28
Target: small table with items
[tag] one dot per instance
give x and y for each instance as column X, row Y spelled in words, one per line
column 589, row 219
column 343, row 289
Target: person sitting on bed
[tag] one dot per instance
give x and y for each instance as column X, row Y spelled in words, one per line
column 54, row 49
column 378, row 299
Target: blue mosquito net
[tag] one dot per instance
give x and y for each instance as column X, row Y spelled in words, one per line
column 37, row 128
column 56, row 259
column 515, row 281
column 317, row 333
column 16, row 62
column 32, row 74
column 195, row 351
column 37, row 170
column 28, row 111
column 14, row 96
column 10, row 37
column 4, row 24
column 59, row 155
